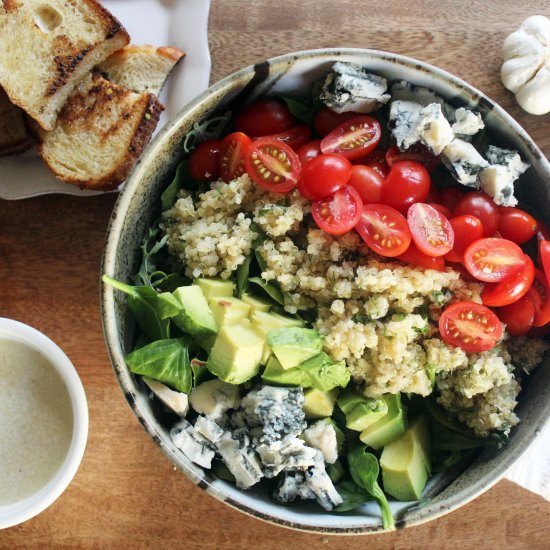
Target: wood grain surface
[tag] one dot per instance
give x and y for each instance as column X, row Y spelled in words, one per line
column 126, row 493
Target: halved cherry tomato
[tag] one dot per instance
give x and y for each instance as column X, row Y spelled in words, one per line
column 384, row 229
column 544, row 258
column 338, row 213
column 295, row 137
column 415, row 153
column 272, row 165
column 470, row 326
column 205, row 159
column 326, row 120
column 449, row 197
column 233, row 150
column 540, row 295
column 323, row 176
column 481, row 206
column 368, row 183
column 413, row 256
column 354, row 138
column 467, row 230
column 407, row 183
column 431, row 231
column 518, row 317
column 511, row 290
column 516, row 225
column 440, row 208
column 264, row 117
column 493, row 260
column 309, row 151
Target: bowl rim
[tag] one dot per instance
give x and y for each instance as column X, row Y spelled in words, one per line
column 431, row 511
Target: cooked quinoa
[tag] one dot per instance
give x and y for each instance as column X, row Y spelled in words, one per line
column 377, row 315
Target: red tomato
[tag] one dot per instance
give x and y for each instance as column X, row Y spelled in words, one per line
column 481, row 206
column 204, row 160
column 338, row 213
column 518, row 317
column 384, row 229
column 295, row 137
column 493, row 260
column 462, row 270
column 516, row 225
column 431, row 231
column 413, row 256
column 511, row 290
column 467, row 230
column 540, row 295
column 407, row 183
column 440, row 208
column 264, row 117
column 449, row 197
column 368, row 183
column 323, row 176
column 272, row 165
column 326, row 120
column 354, row 138
column 415, row 153
column 544, row 258
column 470, row 326
column 309, row 151
column 232, row 153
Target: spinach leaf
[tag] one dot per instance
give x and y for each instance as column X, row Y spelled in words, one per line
column 200, row 372
column 164, row 360
column 353, row 496
column 300, row 108
column 181, row 180
column 364, row 470
column 261, row 262
column 144, row 304
column 275, row 293
column 243, row 272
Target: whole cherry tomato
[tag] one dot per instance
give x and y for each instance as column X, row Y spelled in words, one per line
column 205, row 159
column 516, row 225
column 407, row 182
column 323, row 176
column 368, row 183
column 481, row 206
column 264, row 117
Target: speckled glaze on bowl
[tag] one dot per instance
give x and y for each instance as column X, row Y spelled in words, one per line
column 138, row 206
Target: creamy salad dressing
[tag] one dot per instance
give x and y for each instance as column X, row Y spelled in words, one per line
column 36, row 421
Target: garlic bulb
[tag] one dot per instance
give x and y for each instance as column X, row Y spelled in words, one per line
column 526, row 68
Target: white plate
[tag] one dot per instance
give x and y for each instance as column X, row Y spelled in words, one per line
column 179, row 23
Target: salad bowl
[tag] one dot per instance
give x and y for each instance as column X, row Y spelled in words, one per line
column 139, row 206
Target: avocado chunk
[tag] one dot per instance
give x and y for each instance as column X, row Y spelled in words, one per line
column 361, row 411
column 189, row 310
column 324, row 374
column 256, row 304
column 237, row 352
column 405, row 463
column 390, row 427
column 319, row 404
column 294, row 345
column 215, row 288
column 228, row 309
column 276, row 375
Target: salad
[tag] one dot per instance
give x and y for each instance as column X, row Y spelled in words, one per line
column 340, row 298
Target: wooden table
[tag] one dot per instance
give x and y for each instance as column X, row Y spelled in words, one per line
column 126, row 494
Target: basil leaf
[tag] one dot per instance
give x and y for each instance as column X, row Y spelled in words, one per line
column 353, row 496
column 181, row 178
column 271, row 290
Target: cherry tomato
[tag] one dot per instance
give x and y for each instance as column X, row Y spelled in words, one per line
column 264, row 117
column 440, row 208
column 232, row 153
column 431, row 231
column 544, row 258
column 338, row 213
column 415, row 153
column 368, row 183
column 518, row 317
column 272, row 165
column 516, row 225
column 326, row 120
column 354, row 138
column 511, row 290
column 467, row 230
column 462, row 270
column 407, row 183
column 540, row 295
column 470, row 326
column 481, row 206
column 413, row 256
column 205, row 159
column 449, row 197
column 323, row 176
column 493, row 260
column 295, row 137
column 384, row 229
column 309, row 151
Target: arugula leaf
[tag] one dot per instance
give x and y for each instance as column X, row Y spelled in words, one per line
column 271, row 290
column 212, row 128
column 353, row 496
column 181, row 178
column 164, row 360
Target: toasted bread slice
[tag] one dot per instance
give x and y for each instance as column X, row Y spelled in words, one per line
column 14, row 137
column 48, row 47
column 141, row 68
column 100, row 133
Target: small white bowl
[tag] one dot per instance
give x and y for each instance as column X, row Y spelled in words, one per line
column 21, row 511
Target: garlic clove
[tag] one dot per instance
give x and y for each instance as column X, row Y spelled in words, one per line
column 520, row 43
column 534, row 96
column 538, row 27
column 516, row 72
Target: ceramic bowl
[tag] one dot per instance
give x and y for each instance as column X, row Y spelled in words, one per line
column 138, row 206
